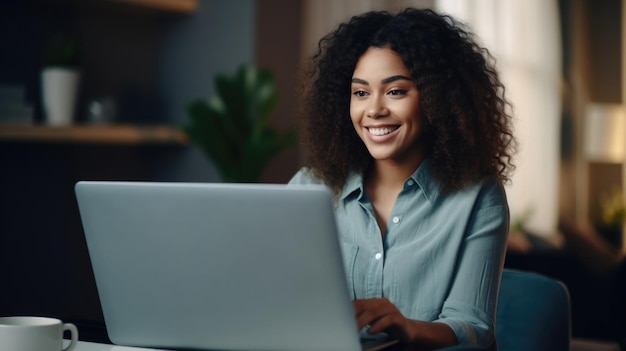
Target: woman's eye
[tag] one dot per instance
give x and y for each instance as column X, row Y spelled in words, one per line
column 396, row 92
column 359, row 93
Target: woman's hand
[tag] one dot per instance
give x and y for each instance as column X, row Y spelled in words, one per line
column 383, row 317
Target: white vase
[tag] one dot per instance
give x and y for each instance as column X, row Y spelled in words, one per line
column 59, row 89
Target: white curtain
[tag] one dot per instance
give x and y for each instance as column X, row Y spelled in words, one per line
column 524, row 37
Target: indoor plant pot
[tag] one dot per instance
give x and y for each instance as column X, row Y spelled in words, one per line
column 60, row 80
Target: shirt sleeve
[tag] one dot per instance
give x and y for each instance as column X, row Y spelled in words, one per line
column 471, row 304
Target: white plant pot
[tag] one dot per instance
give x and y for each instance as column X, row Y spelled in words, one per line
column 59, row 89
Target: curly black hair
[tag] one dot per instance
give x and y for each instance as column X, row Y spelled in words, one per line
column 468, row 133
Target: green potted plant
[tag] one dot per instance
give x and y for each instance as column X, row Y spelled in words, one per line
column 231, row 127
column 60, row 79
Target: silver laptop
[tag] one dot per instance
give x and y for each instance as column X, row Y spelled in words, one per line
column 218, row 266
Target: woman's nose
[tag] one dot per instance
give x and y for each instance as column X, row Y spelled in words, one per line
column 376, row 108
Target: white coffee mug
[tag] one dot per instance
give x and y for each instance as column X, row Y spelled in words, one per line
column 35, row 333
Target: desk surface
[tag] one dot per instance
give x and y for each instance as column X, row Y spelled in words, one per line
column 91, row 346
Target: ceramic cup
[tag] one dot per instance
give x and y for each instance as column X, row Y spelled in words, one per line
column 35, row 333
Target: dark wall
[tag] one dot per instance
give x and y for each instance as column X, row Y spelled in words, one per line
column 151, row 64
column 277, row 44
column 605, row 48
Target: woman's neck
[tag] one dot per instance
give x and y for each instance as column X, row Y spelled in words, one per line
column 390, row 174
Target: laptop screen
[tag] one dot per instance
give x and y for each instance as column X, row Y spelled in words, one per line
column 217, row 266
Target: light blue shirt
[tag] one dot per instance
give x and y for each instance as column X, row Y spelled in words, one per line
column 441, row 257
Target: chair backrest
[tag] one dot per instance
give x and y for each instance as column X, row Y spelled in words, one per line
column 533, row 313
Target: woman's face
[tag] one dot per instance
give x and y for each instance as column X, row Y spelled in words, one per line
column 385, row 107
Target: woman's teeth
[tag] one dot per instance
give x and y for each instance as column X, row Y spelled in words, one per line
column 382, row 131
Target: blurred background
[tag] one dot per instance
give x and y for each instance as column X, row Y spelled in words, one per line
column 137, row 64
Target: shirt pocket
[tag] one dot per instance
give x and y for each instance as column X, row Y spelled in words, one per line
column 349, row 253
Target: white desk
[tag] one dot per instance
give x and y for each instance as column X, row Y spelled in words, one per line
column 91, row 346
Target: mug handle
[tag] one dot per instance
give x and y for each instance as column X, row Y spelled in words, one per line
column 74, row 332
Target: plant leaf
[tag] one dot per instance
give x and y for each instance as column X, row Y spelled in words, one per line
column 231, row 126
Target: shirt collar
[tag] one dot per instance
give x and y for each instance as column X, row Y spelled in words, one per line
column 422, row 176
column 354, row 183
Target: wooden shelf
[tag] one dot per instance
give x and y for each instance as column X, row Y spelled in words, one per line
column 177, row 6
column 94, row 134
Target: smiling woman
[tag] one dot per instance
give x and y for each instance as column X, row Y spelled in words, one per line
column 384, row 108
column 386, row 116
column 405, row 121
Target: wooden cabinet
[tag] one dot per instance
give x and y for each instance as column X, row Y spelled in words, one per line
column 103, row 29
column 177, row 6
column 122, row 134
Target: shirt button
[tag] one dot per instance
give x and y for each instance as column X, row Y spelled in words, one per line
column 410, row 182
column 378, row 256
column 396, row 219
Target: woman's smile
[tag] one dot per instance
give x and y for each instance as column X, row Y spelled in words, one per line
column 382, row 131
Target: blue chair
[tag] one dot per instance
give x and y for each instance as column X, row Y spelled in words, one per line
column 533, row 313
